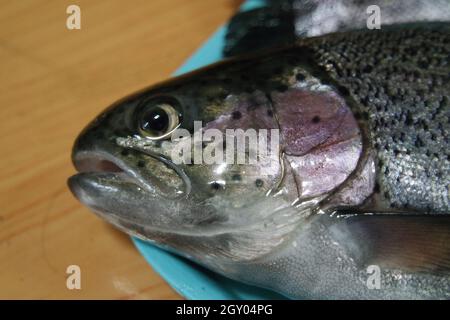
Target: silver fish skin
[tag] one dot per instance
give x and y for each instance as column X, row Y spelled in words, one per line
column 360, row 182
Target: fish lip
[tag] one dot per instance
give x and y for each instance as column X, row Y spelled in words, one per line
column 93, row 161
column 80, row 157
column 86, row 185
column 89, row 163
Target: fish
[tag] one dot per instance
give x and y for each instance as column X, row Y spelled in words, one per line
column 354, row 204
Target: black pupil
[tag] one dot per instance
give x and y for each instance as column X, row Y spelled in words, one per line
column 155, row 121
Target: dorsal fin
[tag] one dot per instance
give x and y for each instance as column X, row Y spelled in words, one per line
column 280, row 22
column 259, row 28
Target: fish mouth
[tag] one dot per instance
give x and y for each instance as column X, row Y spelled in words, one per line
column 96, row 164
column 102, row 175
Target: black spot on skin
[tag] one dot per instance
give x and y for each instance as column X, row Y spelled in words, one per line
column 259, row 183
column 423, row 64
column 216, row 186
column 236, row 177
column 125, row 152
column 316, row 119
column 367, row 69
column 236, row 115
column 419, row 143
column 343, row 90
column 141, row 164
column 376, row 189
column 300, row 77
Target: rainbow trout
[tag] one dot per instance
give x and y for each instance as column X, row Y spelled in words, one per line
column 354, row 204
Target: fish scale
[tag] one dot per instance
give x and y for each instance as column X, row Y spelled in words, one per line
column 407, row 112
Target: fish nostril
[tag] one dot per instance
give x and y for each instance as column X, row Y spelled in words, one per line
column 141, row 164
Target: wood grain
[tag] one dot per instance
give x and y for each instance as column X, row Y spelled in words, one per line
column 52, row 82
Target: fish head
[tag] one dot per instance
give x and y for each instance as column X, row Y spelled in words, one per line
column 128, row 176
column 165, row 164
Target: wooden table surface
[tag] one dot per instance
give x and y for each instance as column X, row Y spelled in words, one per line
column 52, row 82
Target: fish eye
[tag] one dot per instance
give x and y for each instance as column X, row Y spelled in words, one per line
column 158, row 119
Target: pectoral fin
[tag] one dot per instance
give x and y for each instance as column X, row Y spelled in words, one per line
column 411, row 243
